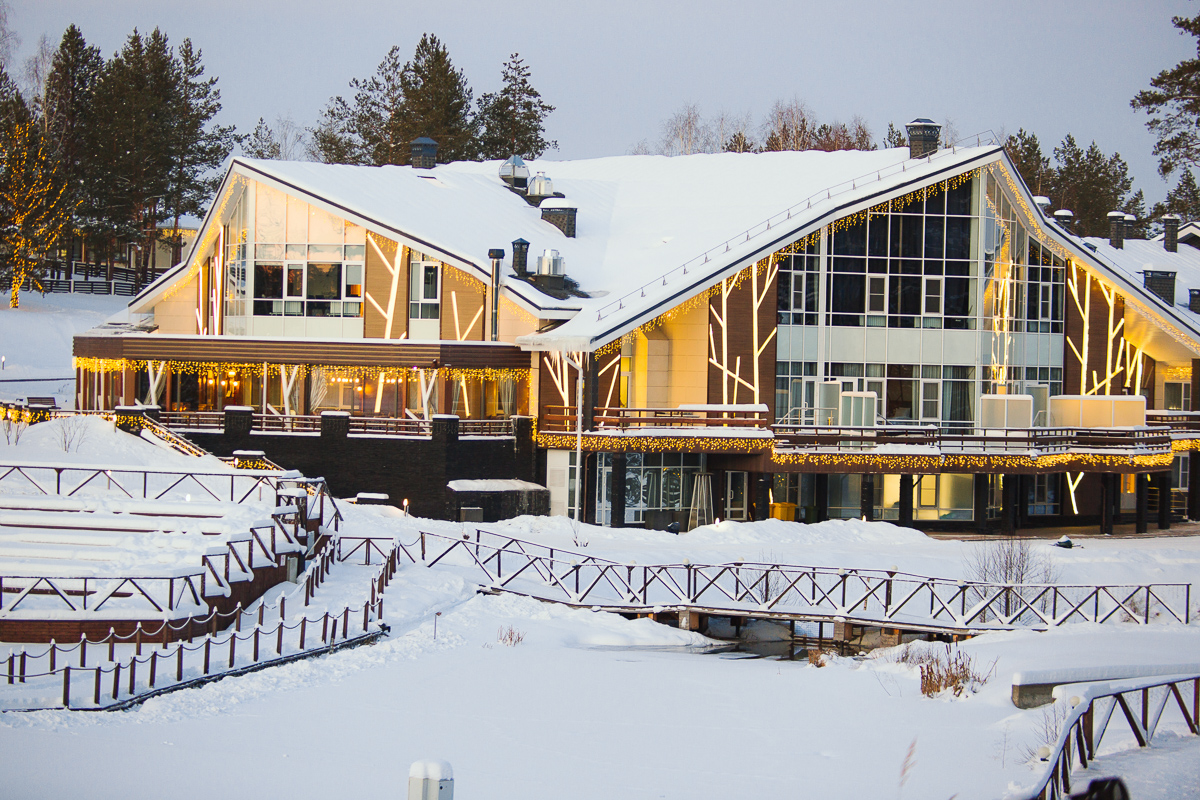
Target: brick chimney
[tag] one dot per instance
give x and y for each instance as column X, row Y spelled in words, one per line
column 923, row 137
column 1064, row 218
column 1161, row 283
column 521, row 257
column 1171, row 233
column 1116, row 229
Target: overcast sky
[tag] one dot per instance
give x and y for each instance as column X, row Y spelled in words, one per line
column 615, row 69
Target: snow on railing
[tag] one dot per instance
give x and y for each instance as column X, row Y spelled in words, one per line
column 830, row 192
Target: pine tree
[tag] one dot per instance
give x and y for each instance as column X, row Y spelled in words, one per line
column 196, row 146
column 35, row 204
column 1173, row 103
column 1183, row 200
column 437, row 103
column 1026, row 153
column 894, row 137
column 738, row 143
column 70, row 90
column 1091, row 184
column 262, row 143
column 512, row 122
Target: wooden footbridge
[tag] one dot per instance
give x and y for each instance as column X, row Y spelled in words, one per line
column 853, row 600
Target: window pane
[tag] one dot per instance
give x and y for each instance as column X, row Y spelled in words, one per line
column 431, row 282
column 324, row 282
column 323, row 227
column 354, row 280
column 270, row 211
column 268, row 280
column 295, row 280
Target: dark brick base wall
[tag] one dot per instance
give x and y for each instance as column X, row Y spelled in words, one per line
column 416, row 468
column 502, row 505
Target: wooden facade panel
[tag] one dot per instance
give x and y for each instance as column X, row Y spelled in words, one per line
column 1098, row 348
column 464, row 316
column 386, row 289
column 734, row 339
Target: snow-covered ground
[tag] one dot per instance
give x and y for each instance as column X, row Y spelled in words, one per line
column 35, row 340
column 590, row 705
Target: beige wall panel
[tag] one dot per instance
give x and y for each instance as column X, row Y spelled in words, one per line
column 688, row 332
column 177, row 313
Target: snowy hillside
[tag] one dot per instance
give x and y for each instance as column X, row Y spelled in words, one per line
column 35, row 340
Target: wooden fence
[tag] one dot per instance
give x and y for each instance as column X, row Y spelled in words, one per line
column 784, row 591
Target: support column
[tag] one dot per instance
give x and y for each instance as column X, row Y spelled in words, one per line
column 821, row 496
column 981, row 503
column 591, row 392
column 1194, row 484
column 617, row 484
column 762, row 496
column 866, row 501
column 1142, row 501
column 1008, row 512
column 1162, row 481
column 1106, row 505
column 906, row 501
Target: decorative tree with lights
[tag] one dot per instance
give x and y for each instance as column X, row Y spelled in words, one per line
column 35, row 204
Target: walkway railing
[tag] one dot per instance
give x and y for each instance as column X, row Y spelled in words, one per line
column 769, row 590
column 1039, row 441
column 1141, row 702
column 563, row 418
column 262, row 636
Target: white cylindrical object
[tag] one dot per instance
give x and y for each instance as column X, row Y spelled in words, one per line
column 430, row 780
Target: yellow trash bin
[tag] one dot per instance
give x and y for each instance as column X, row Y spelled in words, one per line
column 783, row 511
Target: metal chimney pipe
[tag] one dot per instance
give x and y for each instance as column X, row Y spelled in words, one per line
column 497, row 256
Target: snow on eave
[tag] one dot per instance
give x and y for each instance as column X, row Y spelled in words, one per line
column 586, row 335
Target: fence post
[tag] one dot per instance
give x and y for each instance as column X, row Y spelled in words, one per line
column 345, row 622
column 153, row 666
column 207, row 647
column 179, row 662
column 132, row 675
column 83, row 650
column 256, row 629
column 116, row 680
column 22, row 665
column 96, row 699
column 279, row 639
column 232, row 648
column 53, row 655
column 324, row 630
column 112, row 640
column 303, row 625
column 137, row 639
column 237, row 624
column 366, row 610
column 66, row 687
column 10, row 668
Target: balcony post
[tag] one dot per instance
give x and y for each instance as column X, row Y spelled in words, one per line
column 1142, row 500
column 821, row 496
column 981, row 503
column 1008, row 513
column 762, row 496
column 1162, row 481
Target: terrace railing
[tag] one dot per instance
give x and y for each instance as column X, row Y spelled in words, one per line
column 311, row 423
column 1039, row 441
column 563, row 418
column 771, row 590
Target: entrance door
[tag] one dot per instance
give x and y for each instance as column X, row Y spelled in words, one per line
column 736, row 505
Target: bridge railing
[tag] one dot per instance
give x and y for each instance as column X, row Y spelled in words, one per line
column 1141, row 701
column 882, row 597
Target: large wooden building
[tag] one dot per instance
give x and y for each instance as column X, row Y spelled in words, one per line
column 900, row 334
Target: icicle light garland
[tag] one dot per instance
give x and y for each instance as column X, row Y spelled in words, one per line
column 654, row 444
column 335, row 371
column 1177, row 373
column 199, row 248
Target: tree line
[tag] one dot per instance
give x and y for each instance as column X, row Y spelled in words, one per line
column 107, row 150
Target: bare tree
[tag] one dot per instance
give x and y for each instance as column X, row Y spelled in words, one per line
column 10, row 40
column 789, row 125
column 642, row 148
column 732, row 131
column 950, row 133
column 37, row 69
column 686, row 132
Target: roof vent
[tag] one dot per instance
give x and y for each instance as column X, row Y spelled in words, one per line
column 521, row 257
column 1042, row 202
column 540, row 187
column 550, row 272
column 1171, row 234
column 424, row 153
column 514, row 173
column 1116, row 229
column 1161, row 283
column 560, row 215
column 923, row 137
column 1064, row 219
column 1194, row 300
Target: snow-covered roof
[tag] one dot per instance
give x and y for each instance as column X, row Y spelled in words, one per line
column 651, row 230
